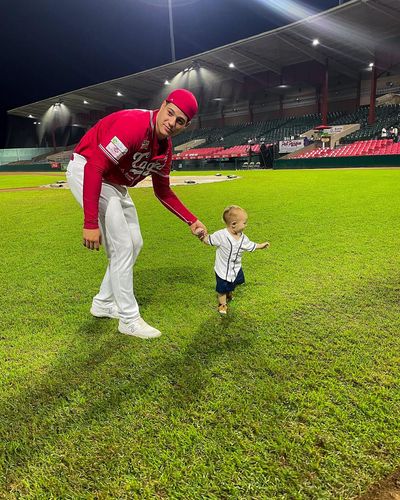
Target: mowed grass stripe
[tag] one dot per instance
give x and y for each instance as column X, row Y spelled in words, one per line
column 27, row 180
column 294, row 395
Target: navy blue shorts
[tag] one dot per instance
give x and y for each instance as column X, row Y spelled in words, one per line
column 224, row 286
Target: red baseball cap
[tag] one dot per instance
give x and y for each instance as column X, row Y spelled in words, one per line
column 185, row 101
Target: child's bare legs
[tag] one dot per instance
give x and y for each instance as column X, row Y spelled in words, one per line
column 222, row 299
column 222, row 307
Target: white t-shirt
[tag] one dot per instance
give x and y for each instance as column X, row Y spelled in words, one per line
column 228, row 258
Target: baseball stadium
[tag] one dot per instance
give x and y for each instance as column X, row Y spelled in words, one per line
column 291, row 390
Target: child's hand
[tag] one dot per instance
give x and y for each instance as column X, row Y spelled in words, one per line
column 200, row 233
column 204, row 238
column 198, row 229
column 264, row 245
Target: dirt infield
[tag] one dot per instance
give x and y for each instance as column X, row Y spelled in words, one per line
column 387, row 489
column 181, row 180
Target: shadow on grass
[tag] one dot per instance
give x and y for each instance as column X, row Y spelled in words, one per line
column 73, row 393
column 190, row 371
column 148, row 282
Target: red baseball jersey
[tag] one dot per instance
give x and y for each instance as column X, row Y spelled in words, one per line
column 123, row 148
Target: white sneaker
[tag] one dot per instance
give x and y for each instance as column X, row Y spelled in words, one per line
column 110, row 311
column 138, row 328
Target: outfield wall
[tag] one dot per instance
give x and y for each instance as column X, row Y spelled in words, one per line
column 22, row 154
column 237, row 164
column 343, row 162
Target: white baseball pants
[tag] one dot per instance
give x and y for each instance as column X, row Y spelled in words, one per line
column 121, row 237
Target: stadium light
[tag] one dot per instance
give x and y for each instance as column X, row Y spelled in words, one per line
column 315, row 42
column 85, row 102
column 119, row 94
column 195, row 65
column 166, row 82
column 231, row 65
column 30, row 116
column 371, row 64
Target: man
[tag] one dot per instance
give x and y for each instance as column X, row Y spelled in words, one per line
column 395, row 134
column 119, row 151
column 263, row 155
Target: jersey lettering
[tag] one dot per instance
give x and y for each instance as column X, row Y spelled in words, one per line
column 144, row 167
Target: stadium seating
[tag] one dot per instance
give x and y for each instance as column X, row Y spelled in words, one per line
column 197, row 154
column 386, row 116
column 217, row 152
column 233, row 141
column 358, row 148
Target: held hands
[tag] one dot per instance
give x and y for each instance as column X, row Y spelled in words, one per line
column 92, row 239
column 199, row 229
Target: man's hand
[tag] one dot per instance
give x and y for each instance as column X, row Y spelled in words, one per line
column 92, row 239
column 198, row 229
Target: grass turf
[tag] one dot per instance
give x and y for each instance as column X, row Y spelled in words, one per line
column 294, row 395
column 27, row 180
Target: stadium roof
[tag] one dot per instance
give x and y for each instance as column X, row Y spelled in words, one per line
column 349, row 35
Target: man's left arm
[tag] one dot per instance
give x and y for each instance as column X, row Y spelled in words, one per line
column 168, row 198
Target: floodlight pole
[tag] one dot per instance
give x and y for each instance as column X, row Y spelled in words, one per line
column 372, row 96
column 171, row 30
column 324, row 106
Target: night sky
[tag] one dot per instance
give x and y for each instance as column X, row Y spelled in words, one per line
column 50, row 47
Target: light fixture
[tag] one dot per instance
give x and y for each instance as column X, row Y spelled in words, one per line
column 166, row 82
column 85, row 101
column 315, row 42
column 30, row 116
column 371, row 64
column 119, row 94
column 283, row 86
column 195, row 65
column 231, row 65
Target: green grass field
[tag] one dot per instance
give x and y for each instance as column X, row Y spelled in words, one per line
column 295, row 395
column 28, row 180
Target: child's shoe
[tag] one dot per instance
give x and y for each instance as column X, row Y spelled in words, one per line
column 223, row 309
